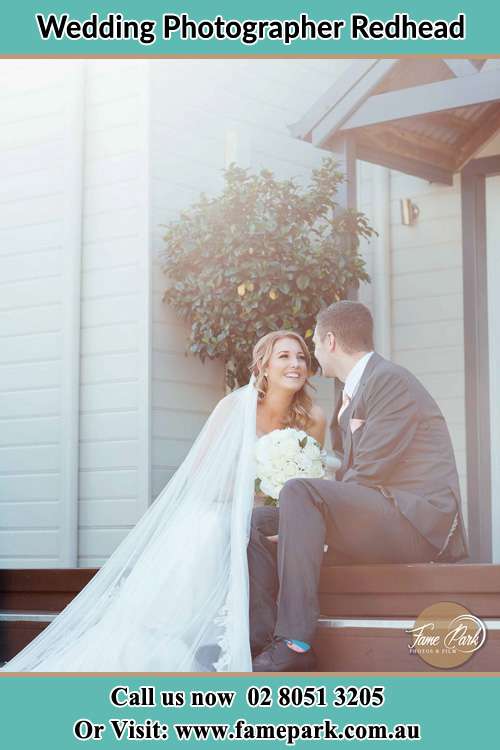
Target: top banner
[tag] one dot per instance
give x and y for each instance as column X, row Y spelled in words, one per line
column 189, row 29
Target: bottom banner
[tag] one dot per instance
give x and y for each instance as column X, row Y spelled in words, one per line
column 287, row 710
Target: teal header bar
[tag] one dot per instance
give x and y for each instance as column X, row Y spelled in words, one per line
column 252, row 710
column 257, row 28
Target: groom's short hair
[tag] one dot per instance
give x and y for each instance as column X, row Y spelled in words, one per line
column 350, row 322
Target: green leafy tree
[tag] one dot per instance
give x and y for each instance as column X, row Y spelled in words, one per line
column 264, row 255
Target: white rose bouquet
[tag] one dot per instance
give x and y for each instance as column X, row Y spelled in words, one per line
column 286, row 454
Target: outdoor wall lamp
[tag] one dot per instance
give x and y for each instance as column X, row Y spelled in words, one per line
column 409, row 212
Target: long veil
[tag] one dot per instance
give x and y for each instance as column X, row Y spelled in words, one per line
column 179, row 580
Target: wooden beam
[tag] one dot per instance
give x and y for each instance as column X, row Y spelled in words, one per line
column 489, row 165
column 492, row 64
column 478, row 62
column 432, row 97
column 429, row 172
column 324, row 129
column 410, row 72
column 394, row 143
column 331, row 97
column 480, row 136
column 461, row 67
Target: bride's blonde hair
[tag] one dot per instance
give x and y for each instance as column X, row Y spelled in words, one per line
column 299, row 415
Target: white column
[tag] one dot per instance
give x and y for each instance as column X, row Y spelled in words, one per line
column 145, row 249
column 238, row 146
column 381, row 280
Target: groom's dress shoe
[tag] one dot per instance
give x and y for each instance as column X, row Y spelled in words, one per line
column 277, row 657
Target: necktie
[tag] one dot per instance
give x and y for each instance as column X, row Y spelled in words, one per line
column 346, row 400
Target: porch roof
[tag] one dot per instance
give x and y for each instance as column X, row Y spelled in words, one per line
column 425, row 117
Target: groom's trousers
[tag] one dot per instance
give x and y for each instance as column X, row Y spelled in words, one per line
column 359, row 525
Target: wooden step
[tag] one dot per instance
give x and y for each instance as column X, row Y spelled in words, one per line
column 30, row 598
column 400, row 590
column 377, row 645
column 41, row 589
column 17, row 629
column 365, row 610
column 404, row 590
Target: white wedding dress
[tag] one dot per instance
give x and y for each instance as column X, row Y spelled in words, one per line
column 179, row 580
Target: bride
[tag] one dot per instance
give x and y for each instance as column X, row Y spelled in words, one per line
column 177, row 587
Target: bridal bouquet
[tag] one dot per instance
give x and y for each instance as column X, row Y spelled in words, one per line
column 286, row 454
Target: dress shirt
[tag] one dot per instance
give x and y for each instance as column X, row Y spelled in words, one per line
column 355, row 375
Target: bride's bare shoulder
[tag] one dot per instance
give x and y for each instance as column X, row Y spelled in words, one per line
column 317, row 427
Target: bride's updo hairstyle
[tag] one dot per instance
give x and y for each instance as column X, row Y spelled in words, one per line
column 299, row 415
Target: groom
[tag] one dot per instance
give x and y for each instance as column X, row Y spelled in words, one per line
column 395, row 498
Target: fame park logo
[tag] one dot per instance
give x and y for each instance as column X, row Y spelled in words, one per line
column 446, row 635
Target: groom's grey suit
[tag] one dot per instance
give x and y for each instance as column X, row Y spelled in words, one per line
column 396, row 498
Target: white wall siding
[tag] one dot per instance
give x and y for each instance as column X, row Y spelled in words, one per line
column 39, row 231
column 426, row 292
column 427, row 299
column 75, row 355
column 40, row 365
column 184, row 162
column 114, row 414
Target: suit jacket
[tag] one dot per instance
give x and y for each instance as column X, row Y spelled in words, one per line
column 401, row 445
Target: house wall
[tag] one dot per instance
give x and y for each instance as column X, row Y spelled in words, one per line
column 74, row 266
column 187, row 154
column 425, row 295
column 39, row 232
column 114, row 431
column 427, row 298
column 98, row 402
column 205, row 115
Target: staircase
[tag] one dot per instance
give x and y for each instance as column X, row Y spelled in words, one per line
column 30, row 599
column 365, row 611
